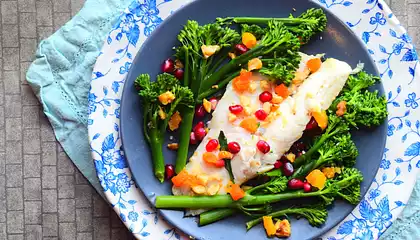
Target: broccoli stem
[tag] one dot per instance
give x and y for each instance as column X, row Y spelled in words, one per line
column 184, row 139
column 262, row 20
column 220, row 85
column 156, row 143
column 225, row 201
column 279, row 213
column 233, row 65
column 215, row 215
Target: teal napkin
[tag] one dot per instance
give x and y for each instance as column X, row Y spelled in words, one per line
column 60, row 77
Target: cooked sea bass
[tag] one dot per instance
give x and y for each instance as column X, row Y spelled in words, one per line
column 284, row 125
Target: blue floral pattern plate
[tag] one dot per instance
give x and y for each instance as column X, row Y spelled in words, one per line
column 387, row 43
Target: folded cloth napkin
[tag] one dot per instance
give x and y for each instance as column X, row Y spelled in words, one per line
column 60, row 77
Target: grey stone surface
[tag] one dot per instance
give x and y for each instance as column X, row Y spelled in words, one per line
column 42, row 195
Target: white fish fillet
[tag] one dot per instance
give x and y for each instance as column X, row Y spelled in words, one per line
column 315, row 94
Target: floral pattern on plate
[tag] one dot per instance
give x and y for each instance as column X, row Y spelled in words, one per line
column 387, row 43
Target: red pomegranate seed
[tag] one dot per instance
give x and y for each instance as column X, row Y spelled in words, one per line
column 193, row 139
column 265, row 96
column 307, row 187
column 212, row 145
column 241, row 48
column 236, row 109
column 261, row 115
column 200, row 124
column 200, row 133
column 213, row 102
column 288, row 169
column 295, row 184
column 312, row 124
column 179, row 73
column 200, row 111
column 278, row 164
column 169, row 171
column 219, row 163
column 263, row 146
column 168, row 66
column 234, row 147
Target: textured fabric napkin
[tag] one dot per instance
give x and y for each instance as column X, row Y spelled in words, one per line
column 60, row 77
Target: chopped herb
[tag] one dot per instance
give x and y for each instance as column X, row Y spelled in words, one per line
column 224, row 147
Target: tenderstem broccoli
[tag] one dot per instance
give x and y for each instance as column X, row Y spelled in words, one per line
column 316, row 215
column 345, row 186
column 339, row 150
column 156, row 115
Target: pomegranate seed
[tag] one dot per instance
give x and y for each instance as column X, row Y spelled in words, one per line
column 200, row 111
column 307, row 187
column 295, row 183
column 193, row 139
column 219, row 163
column 312, row 124
column 212, row 145
column 234, row 147
column 179, row 73
column 261, row 115
column 288, row 169
column 241, row 48
column 200, row 133
column 200, row 124
column 298, row 147
column 169, row 171
column 265, row 96
column 213, row 102
column 283, row 159
column 236, row 109
column 278, row 164
column 168, row 66
column 263, row 146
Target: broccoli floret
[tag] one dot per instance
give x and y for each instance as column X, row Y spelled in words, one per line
column 256, row 30
column 282, row 68
column 157, row 115
column 276, row 184
column 338, row 150
column 360, row 81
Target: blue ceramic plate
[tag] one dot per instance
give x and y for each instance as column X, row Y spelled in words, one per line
column 337, row 42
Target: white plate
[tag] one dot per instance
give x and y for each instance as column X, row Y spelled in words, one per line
column 388, row 44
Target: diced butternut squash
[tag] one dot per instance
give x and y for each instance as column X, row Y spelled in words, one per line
column 282, row 91
column 321, row 118
column 314, row 64
column 236, row 192
column 250, row 124
column 207, row 105
column 269, row 226
column 254, row 64
column 225, row 155
column 249, row 40
column 317, row 179
column 210, row 158
column 242, row 82
column 184, row 179
column 329, row 172
column 209, row 50
column 175, row 121
column 166, row 97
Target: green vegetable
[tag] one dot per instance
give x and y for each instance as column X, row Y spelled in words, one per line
column 305, row 26
column 256, row 30
column 224, row 147
column 363, row 108
column 345, row 186
column 338, row 150
column 336, row 126
column 197, row 67
column 316, row 215
column 154, row 126
column 276, row 184
column 281, row 67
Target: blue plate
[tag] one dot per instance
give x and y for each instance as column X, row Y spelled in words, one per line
column 337, row 42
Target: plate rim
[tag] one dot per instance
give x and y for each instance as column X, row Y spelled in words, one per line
column 92, row 132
